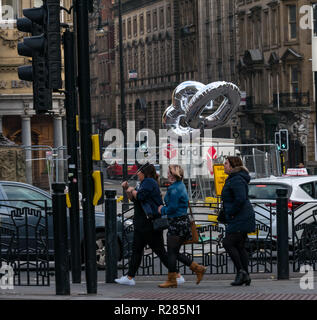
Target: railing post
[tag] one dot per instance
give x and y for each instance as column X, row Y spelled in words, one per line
column 60, row 239
column 111, row 238
column 282, row 234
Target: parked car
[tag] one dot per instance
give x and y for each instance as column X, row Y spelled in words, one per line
column 302, row 204
column 17, row 195
column 115, row 170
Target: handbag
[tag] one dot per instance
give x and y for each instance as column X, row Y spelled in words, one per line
column 221, row 216
column 195, row 235
column 160, row 223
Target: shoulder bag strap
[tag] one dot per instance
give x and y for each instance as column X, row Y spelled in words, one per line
column 190, row 210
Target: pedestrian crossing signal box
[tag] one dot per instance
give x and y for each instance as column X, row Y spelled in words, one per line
column 98, row 188
column 95, row 147
column 281, row 139
column 284, row 139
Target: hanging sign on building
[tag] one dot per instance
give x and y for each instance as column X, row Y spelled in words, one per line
column 133, row 74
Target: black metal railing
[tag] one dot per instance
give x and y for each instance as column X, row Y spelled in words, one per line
column 24, row 241
column 291, row 100
column 261, row 246
column 210, row 251
column 304, row 236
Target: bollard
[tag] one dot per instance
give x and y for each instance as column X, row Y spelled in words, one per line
column 111, row 238
column 60, row 239
column 282, row 234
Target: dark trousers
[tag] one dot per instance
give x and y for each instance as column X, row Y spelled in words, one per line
column 234, row 243
column 174, row 244
column 140, row 239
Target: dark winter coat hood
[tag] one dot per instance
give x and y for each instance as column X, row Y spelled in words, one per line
column 243, row 172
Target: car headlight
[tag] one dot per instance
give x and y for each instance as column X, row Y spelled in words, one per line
column 128, row 222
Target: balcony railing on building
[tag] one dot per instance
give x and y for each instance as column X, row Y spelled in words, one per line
column 291, row 100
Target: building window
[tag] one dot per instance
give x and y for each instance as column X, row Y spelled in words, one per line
column 155, row 19
column 315, row 20
column 250, row 33
column 242, row 35
column 9, row 10
column 148, row 21
column 273, row 27
column 123, row 30
column 135, row 26
column 162, row 17
column 220, row 70
column 168, row 15
column 292, row 22
column 141, row 24
column 129, row 28
column 232, row 67
column 294, row 78
column 265, row 28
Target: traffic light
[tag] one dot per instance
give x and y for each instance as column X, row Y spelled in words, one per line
column 44, row 48
column 53, row 43
column 284, row 139
column 33, row 47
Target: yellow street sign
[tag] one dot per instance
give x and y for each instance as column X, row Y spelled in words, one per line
column 219, row 177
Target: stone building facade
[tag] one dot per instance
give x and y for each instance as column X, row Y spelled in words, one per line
column 160, row 45
column 257, row 44
column 102, row 65
column 218, row 56
column 275, row 71
column 18, row 120
column 168, row 42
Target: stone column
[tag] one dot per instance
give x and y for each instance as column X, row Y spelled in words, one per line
column 27, row 143
column 58, row 143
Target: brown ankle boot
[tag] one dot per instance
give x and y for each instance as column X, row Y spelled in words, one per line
column 199, row 270
column 171, row 282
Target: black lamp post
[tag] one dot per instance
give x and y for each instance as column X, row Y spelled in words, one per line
column 122, row 104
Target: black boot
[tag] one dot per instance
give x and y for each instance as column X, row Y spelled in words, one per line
column 242, row 277
column 247, row 279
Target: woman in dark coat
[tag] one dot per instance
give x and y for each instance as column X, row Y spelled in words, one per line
column 146, row 198
column 240, row 218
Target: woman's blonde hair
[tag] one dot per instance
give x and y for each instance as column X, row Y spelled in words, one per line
column 176, row 171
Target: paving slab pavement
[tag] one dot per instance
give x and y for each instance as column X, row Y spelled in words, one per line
column 263, row 287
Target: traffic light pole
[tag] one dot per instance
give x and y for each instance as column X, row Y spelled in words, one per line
column 71, row 111
column 123, row 109
column 86, row 145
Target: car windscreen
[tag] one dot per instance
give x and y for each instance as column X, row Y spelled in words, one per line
column 265, row 191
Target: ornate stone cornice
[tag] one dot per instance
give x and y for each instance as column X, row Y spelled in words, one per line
column 10, row 38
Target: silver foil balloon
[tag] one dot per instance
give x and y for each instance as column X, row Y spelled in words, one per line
column 172, row 119
column 191, row 98
column 184, row 92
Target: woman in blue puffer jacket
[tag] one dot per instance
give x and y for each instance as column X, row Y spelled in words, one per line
column 240, row 218
column 179, row 230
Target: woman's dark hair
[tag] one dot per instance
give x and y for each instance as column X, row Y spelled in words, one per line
column 235, row 161
column 149, row 171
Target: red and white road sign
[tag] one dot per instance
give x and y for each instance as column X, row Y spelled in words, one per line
column 211, row 155
column 170, row 151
